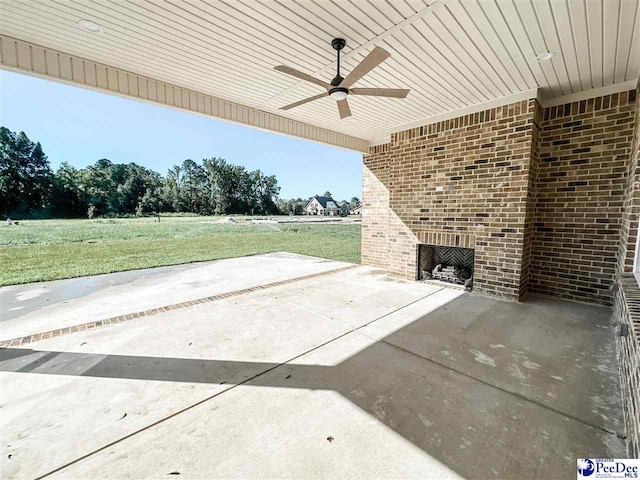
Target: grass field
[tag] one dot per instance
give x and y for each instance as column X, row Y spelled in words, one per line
column 41, row 250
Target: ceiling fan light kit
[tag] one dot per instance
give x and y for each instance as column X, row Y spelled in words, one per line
column 339, row 93
column 339, row 88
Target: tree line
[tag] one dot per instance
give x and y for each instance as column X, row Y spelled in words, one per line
column 29, row 187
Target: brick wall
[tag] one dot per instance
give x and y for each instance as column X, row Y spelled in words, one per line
column 483, row 164
column 631, row 209
column 626, row 310
column 529, row 221
column 626, row 305
column 387, row 241
column 584, row 155
column 542, row 196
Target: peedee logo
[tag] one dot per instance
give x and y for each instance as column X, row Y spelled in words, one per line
column 608, row 468
column 585, row 467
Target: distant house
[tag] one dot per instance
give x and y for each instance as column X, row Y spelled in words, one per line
column 343, row 207
column 356, row 211
column 322, row 206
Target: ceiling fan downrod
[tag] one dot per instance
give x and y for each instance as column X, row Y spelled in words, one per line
column 338, row 44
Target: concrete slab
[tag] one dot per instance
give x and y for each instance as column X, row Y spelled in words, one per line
column 358, row 296
column 559, row 354
column 400, row 375
column 378, row 404
column 66, row 396
column 153, row 367
column 44, row 306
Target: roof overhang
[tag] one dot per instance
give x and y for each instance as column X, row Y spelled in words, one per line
column 216, row 58
column 39, row 61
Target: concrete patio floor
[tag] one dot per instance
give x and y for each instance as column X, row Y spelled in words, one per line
column 346, row 374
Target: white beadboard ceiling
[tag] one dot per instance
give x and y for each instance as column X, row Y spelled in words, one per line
column 452, row 54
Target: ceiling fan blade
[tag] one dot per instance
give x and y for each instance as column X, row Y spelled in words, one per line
column 381, row 92
column 302, row 76
column 302, row 102
column 371, row 61
column 343, row 108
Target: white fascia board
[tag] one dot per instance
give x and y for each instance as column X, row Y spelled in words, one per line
column 591, row 93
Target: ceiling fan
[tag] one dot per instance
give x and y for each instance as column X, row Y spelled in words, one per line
column 339, row 89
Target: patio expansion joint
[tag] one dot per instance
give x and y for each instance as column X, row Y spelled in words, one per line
column 19, row 341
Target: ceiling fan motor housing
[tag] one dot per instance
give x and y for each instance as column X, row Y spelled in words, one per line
column 338, row 43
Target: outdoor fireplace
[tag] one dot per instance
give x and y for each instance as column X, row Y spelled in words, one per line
column 446, row 264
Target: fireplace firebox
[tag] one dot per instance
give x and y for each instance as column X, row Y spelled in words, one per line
column 452, row 265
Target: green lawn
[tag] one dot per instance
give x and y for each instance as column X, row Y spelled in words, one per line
column 41, row 250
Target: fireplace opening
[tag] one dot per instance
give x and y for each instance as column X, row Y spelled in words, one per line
column 452, row 265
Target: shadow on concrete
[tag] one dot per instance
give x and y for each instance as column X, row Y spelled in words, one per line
column 482, row 411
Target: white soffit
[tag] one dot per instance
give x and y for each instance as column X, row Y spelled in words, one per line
column 454, row 55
